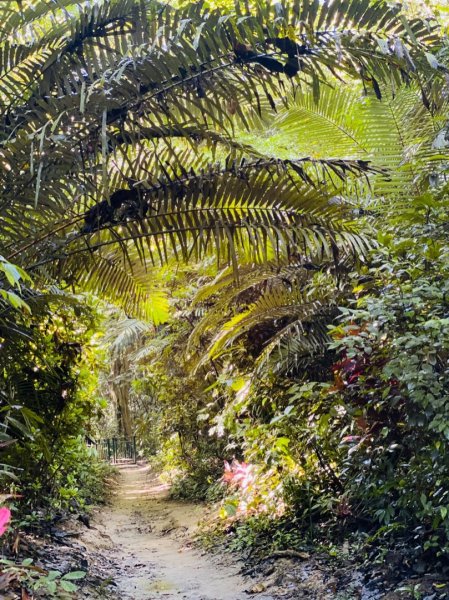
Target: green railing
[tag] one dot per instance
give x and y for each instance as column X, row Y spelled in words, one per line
column 117, row 449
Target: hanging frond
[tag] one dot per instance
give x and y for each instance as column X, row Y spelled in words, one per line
column 114, row 87
column 121, row 127
column 291, row 206
column 395, row 135
column 124, row 281
column 298, row 344
column 125, row 335
column 281, row 312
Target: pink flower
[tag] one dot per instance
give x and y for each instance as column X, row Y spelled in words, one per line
column 237, row 473
column 350, row 439
column 5, row 517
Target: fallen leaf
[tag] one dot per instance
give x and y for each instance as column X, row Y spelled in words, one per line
column 258, row 588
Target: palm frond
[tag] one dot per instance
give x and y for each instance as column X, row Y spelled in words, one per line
column 394, row 135
column 125, row 335
column 123, row 280
column 168, row 77
column 281, row 311
column 118, row 132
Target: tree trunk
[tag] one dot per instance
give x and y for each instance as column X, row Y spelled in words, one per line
column 119, row 391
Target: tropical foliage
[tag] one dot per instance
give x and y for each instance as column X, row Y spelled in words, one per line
column 255, row 197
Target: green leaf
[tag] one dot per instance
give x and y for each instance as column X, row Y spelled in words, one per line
column 73, row 575
column 231, row 508
column 432, row 60
column 52, row 586
column 15, row 301
column 68, row 586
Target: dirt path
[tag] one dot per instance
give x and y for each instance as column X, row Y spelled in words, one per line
column 149, row 536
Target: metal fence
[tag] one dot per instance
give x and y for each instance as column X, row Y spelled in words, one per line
column 117, row 449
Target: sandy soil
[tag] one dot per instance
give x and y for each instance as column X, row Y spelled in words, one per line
column 149, row 539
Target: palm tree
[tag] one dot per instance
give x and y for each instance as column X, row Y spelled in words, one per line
column 119, row 128
column 133, row 134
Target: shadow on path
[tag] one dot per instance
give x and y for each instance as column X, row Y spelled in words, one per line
column 150, row 544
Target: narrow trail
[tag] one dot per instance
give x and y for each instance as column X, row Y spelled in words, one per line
column 149, row 539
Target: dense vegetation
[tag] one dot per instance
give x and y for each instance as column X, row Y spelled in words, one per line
column 231, row 223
